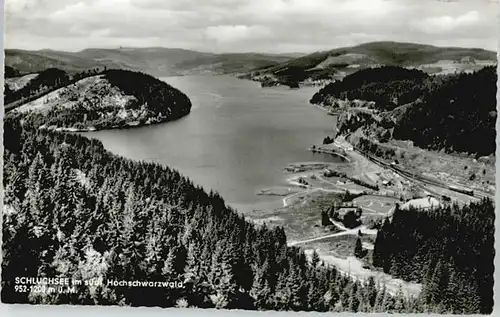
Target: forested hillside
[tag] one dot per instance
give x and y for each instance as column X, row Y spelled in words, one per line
column 450, row 250
column 337, row 62
column 387, row 86
column 23, row 89
column 74, row 210
column 109, row 99
column 456, row 113
column 11, row 72
column 45, row 80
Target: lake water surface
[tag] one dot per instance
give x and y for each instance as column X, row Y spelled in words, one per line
column 237, row 139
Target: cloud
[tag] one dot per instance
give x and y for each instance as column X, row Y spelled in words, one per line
column 246, row 25
column 446, row 23
column 232, row 33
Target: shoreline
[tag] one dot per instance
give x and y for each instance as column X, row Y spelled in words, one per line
column 319, row 149
column 128, row 125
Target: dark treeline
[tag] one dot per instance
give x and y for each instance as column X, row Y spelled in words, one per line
column 10, row 72
column 158, row 96
column 388, row 86
column 75, row 210
column 450, row 250
column 459, row 115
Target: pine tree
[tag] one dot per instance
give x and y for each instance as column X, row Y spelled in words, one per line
column 260, row 291
column 353, row 298
column 315, row 258
column 325, row 219
column 379, row 250
column 388, row 303
column 371, row 291
column 358, row 249
column 400, row 306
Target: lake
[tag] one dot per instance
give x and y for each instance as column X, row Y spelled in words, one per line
column 237, row 139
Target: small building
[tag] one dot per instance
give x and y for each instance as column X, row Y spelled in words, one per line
column 342, row 211
column 347, row 214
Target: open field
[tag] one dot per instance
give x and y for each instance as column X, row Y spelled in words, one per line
column 301, row 218
column 17, row 83
column 378, row 205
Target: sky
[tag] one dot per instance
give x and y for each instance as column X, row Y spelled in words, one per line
column 271, row 26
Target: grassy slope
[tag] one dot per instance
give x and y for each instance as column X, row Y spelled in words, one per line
column 386, row 53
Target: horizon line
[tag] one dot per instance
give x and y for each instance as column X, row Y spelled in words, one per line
column 243, row 52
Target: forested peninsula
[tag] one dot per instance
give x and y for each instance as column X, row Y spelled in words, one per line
column 97, row 100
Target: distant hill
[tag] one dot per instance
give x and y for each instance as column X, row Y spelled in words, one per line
column 337, row 63
column 231, row 63
column 156, row 61
column 35, row 61
column 110, row 99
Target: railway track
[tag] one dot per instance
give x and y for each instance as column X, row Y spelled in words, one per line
column 420, row 181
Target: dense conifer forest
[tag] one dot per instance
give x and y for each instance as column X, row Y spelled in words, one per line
column 158, row 96
column 46, row 80
column 456, row 113
column 450, row 250
column 459, row 115
column 388, row 86
column 75, row 210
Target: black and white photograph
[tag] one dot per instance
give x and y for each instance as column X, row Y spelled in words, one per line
column 260, row 155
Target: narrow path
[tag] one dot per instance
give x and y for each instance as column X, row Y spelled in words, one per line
column 345, row 231
column 338, row 234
